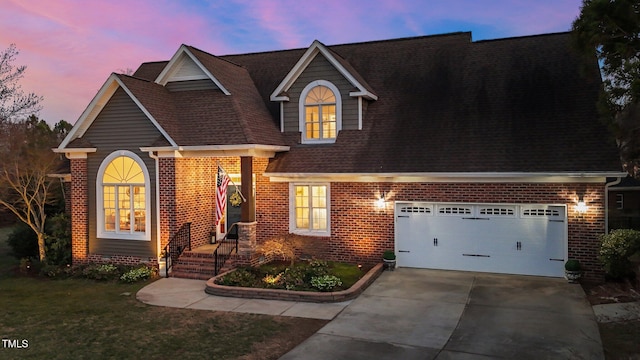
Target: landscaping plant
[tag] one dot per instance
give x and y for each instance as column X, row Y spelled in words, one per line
column 615, row 250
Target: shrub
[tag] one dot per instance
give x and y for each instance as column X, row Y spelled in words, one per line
column 273, row 281
column 283, row 247
column 30, row 266
column 241, row 277
column 388, row 255
column 293, row 278
column 101, row 272
column 615, row 250
column 572, row 265
column 137, row 274
column 23, row 242
column 325, row 282
column 58, row 241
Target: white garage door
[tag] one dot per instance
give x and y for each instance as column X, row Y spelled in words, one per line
column 511, row 239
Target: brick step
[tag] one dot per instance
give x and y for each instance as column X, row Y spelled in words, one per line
column 195, row 261
column 198, row 265
column 196, row 254
column 189, row 275
column 193, row 267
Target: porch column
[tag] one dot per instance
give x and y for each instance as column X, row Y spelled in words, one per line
column 247, row 208
column 247, row 225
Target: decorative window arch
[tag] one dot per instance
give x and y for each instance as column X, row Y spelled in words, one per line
column 320, row 109
column 123, row 202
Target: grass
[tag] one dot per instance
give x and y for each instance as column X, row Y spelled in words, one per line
column 79, row 318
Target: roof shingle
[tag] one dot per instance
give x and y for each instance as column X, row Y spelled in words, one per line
column 445, row 104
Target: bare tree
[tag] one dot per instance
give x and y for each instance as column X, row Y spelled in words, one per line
column 14, row 103
column 26, row 161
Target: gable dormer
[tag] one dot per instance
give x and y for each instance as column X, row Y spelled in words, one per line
column 321, row 95
column 186, row 72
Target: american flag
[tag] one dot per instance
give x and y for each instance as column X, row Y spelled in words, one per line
column 221, row 193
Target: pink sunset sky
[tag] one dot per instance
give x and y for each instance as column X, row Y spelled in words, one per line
column 71, row 46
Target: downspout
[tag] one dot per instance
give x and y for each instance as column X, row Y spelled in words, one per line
column 606, row 202
column 158, row 247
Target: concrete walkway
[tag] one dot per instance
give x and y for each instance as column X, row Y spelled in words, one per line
column 189, row 294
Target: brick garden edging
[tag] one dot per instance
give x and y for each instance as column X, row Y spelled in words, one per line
column 290, row 295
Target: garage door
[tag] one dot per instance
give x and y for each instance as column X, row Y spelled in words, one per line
column 512, row 239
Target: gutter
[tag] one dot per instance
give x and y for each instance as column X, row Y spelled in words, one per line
column 606, row 202
column 158, row 245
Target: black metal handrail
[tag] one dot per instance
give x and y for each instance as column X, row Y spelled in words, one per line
column 180, row 242
column 225, row 248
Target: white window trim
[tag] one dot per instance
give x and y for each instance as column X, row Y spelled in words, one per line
column 100, row 231
column 292, row 211
column 302, row 112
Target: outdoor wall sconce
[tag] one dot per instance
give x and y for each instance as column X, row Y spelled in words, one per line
column 381, row 203
column 581, row 207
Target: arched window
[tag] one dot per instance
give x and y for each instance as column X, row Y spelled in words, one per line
column 320, row 109
column 122, row 197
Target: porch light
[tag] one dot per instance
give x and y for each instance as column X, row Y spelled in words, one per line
column 581, row 207
column 381, row 203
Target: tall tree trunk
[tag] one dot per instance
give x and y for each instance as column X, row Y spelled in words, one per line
column 41, row 247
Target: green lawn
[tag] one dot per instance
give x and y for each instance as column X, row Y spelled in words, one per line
column 83, row 319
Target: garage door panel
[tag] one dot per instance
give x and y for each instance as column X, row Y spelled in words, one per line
column 505, row 238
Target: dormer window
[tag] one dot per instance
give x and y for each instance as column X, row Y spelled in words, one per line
column 320, row 112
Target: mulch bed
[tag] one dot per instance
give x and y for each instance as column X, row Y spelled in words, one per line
column 612, row 292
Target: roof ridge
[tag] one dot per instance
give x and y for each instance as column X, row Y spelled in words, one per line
column 215, row 56
column 524, row 36
column 352, row 43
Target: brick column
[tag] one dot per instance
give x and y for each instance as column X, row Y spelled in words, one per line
column 246, row 243
column 79, row 211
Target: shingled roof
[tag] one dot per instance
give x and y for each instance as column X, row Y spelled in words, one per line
column 207, row 117
column 445, row 105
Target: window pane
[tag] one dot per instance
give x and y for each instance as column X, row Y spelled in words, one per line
column 328, row 113
column 139, row 221
column 138, row 197
column 319, row 219
column 319, row 196
column 123, row 169
column 109, row 196
column 302, row 218
column 110, row 219
column 124, row 220
column 319, row 95
column 312, row 124
column 302, row 207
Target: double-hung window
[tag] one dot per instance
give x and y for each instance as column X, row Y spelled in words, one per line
column 310, row 209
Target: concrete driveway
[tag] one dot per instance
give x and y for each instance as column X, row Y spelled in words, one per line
column 431, row 314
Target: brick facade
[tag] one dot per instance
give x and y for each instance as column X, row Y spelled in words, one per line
column 360, row 232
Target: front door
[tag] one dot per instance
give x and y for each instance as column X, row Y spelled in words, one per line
column 232, row 212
